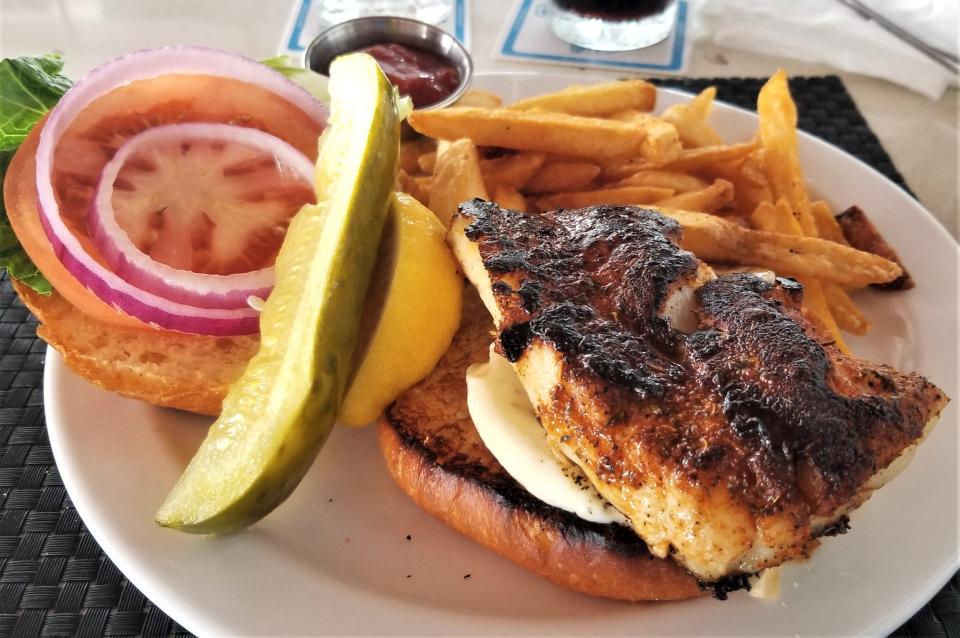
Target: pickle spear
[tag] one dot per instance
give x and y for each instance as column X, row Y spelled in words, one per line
column 277, row 416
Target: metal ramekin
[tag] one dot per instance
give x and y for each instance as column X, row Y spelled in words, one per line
column 362, row 32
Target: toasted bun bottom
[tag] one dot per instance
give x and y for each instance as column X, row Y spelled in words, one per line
column 435, row 455
column 170, row 369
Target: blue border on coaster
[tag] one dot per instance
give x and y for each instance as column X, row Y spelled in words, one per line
column 459, row 21
column 676, row 56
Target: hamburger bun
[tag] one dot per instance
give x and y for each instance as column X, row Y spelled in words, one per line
column 436, row 456
column 170, row 369
column 163, row 367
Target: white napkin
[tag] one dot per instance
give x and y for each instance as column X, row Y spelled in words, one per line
column 936, row 22
column 826, row 31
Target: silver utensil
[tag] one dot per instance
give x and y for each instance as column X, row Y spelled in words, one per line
column 945, row 59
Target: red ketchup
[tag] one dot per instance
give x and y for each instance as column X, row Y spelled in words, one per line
column 426, row 77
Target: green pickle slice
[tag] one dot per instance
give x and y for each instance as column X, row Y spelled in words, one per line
column 278, row 415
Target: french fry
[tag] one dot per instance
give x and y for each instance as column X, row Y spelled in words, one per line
column 403, row 182
column 536, row 131
column 563, row 176
column 750, row 188
column 699, row 158
column 532, row 204
column 863, row 235
column 747, row 198
column 442, row 147
column 689, row 160
column 424, row 184
column 826, row 223
column 414, row 186
column 457, row 178
column 596, row 99
column 628, row 195
column 702, row 103
column 753, row 169
column 818, row 309
column 481, row 99
column 553, row 158
column 510, row 197
column 679, row 182
column 776, row 218
column 627, row 115
column 690, row 120
column 708, row 200
column 410, row 153
column 596, row 145
column 427, row 161
column 844, row 311
column 661, row 145
column 779, row 218
column 842, row 307
column 618, row 171
column 511, row 170
column 715, row 239
column 662, row 141
column 778, row 133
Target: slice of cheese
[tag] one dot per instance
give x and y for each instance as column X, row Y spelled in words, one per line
column 508, row 425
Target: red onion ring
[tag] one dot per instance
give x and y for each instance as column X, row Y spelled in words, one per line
column 183, row 286
column 107, row 285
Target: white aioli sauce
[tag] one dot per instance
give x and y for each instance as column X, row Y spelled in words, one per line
column 507, row 423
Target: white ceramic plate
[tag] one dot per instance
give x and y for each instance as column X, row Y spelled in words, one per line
column 335, row 558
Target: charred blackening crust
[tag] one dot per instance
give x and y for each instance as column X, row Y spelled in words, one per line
column 749, row 403
column 530, row 292
column 514, row 340
column 836, row 528
column 721, row 588
column 780, row 396
column 591, row 283
column 431, row 422
column 792, row 285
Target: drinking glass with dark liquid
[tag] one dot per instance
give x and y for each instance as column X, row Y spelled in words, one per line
column 613, row 25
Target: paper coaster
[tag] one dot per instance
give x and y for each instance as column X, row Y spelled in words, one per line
column 305, row 24
column 527, row 37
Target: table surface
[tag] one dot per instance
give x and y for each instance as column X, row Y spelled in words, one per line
column 920, row 134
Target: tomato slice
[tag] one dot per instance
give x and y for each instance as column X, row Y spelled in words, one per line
column 99, row 130
column 20, row 200
column 207, row 205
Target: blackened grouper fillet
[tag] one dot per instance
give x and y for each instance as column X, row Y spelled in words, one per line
column 709, row 410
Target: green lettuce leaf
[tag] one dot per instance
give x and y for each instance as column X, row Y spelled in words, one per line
column 29, row 87
column 313, row 82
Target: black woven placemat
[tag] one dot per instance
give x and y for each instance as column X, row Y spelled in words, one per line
column 54, row 578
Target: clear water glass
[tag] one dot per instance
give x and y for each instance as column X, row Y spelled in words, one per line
column 432, row 11
column 613, row 25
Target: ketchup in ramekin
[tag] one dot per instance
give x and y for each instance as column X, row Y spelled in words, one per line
column 424, row 76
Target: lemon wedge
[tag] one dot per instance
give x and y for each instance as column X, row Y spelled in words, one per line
column 416, row 297
column 279, row 413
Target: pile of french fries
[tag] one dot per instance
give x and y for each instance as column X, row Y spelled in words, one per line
column 744, row 205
